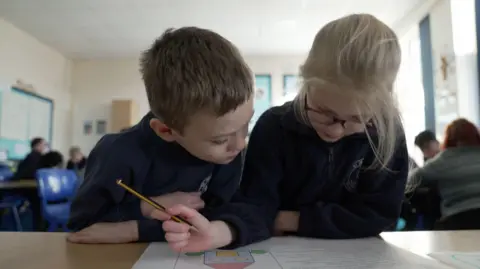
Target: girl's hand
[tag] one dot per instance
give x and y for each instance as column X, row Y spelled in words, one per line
column 202, row 235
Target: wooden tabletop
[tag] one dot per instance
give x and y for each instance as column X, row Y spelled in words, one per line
column 17, row 184
column 51, row 251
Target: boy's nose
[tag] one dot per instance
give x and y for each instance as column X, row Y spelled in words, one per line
column 238, row 144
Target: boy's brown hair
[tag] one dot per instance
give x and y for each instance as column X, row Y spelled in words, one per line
column 192, row 69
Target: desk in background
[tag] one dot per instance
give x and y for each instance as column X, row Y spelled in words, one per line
column 51, row 251
column 18, row 184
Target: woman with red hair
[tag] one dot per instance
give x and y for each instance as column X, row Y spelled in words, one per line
column 461, row 133
column 455, row 172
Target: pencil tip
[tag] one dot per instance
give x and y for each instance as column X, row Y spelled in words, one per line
column 119, row 181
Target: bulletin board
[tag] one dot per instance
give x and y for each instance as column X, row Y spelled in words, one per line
column 263, row 98
column 23, row 116
column 290, row 85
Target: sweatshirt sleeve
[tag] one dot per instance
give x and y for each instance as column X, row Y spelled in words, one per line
column 374, row 207
column 438, row 167
column 99, row 199
column 254, row 206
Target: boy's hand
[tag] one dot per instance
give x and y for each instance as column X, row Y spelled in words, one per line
column 286, row 221
column 202, row 235
column 189, row 199
column 106, row 233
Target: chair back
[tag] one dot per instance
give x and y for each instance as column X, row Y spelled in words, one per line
column 5, row 173
column 56, row 184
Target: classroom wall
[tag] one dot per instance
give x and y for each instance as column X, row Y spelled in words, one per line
column 453, row 36
column 24, row 57
column 96, row 82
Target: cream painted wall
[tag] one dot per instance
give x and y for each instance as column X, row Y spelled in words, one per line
column 97, row 82
column 453, row 35
column 25, row 58
column 446, row 90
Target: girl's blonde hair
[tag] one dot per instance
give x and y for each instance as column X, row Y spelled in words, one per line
column 360, row 54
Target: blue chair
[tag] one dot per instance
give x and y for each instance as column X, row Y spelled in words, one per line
column 56, row 188
column 11, row 203
column 5, row 173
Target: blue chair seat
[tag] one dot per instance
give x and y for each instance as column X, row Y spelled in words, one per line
column 59, row 213
column 56, row 185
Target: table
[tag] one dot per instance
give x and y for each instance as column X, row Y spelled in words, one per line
column 26, row 188
column 423, row 243
column 51, row 251
column 18, row 184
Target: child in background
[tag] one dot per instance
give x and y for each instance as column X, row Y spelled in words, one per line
column 331, row 164
column 77, row 163
column 427, row 142
column 77, row 160
column 52, row 159
column 453, row 174
column 185, row 151
column 28, row 167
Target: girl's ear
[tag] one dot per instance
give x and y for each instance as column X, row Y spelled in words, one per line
column 162, row 130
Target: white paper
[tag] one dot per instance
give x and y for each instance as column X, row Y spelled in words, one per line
column 459, row 260
column 291, row 253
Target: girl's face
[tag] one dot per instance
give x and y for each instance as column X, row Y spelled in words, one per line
column 333, row 115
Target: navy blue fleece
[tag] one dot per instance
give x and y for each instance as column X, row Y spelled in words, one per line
column 151, row 166
column 289, row 168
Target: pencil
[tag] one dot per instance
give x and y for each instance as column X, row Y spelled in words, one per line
column 151, row 202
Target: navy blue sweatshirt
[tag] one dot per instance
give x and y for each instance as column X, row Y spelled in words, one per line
column 151, row 166
column 28, row 167
column 289, row 168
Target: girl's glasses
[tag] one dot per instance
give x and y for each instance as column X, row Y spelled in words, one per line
column 316, row 116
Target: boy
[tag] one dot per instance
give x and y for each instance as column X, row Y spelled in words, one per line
column 28, row 167
column 427, row 142
column 185, row 151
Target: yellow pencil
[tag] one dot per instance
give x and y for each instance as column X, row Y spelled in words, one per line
column 151, row 202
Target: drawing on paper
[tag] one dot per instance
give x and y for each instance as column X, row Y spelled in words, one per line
column 461, row 260
column 228, row 259
column 223, row 259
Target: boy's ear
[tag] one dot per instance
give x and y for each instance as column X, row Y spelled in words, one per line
column 162, row 130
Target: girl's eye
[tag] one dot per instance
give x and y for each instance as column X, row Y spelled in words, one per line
column 356, row 120
column 219, row 142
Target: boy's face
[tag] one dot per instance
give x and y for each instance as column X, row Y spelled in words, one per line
column 431, row 149
column 217, row 139
column 76, row 156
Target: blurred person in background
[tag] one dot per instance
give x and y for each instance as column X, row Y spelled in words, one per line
column 455, row 173
column 27, row 167
column 427, row 142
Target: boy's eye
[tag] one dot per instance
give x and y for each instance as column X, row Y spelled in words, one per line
column 219, row 142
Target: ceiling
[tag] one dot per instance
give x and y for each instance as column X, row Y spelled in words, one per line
column 123, row 28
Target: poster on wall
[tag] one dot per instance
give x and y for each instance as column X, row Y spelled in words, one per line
column 290, row 87
column 87, row 127
column 262, row 97
column 290, row 84
column 101, row 127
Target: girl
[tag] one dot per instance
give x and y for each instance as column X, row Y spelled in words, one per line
column 331, row 164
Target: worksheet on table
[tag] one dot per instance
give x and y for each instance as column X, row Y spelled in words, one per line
column 291, row 253
column 459, row 260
